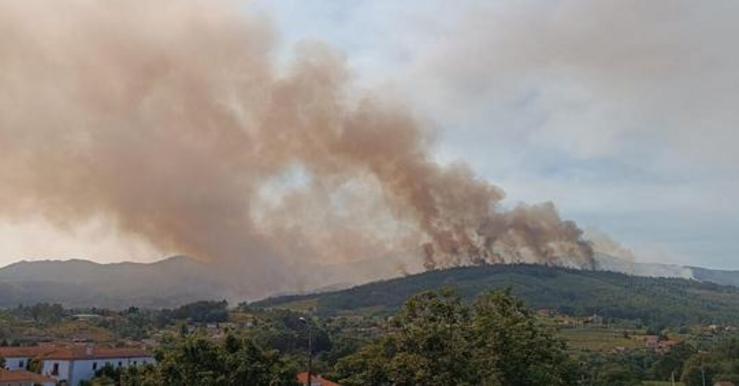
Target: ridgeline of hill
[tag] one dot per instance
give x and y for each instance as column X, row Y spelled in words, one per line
column 178, row 280
column 654, row 301
column 82, row 283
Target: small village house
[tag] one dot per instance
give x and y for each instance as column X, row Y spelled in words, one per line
column 75, row 364
column 19, row 358
column 71, row 364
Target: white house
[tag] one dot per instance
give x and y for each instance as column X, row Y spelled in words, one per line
column 74, row 364
column 18, row 358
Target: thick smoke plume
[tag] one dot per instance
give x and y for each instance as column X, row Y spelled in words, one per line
column 170, row 120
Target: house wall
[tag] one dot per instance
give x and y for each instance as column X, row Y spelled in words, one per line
column 64, row 369
column 13, row 363
column 82, row 369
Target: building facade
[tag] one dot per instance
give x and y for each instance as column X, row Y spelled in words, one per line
column 19, row 358
column 73, row 365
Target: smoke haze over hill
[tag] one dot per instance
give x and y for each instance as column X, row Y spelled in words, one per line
column 171, row 121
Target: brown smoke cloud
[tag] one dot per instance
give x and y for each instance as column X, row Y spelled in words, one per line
column 171, row 120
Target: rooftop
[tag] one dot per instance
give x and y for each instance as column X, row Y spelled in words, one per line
column 29, row 352
column 24, row 376
column 316, row 380
column 84, row 352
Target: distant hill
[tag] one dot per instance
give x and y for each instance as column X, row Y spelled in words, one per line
column 716, row 276
column 616, row 264
column 177, row 280
column 82, row 283
column 659, row 301
column 605, row 262
column 167, row 283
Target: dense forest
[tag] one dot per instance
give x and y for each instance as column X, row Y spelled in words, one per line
column 653, row 301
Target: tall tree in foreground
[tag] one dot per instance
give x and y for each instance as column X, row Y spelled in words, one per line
column 512, row 347
column 198, row 361
column 721, row 363
column 437, row 340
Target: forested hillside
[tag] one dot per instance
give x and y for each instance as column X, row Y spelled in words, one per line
column 662, row 301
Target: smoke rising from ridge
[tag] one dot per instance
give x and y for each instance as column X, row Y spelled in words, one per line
column 171, row 120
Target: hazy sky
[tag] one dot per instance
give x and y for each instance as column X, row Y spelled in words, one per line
column 624, row 113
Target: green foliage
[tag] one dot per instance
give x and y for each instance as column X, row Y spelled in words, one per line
column 656, row 302
column 99, row 381
column 44, row 313
column 109, row 372
column 719, row 364
column 438, row 340
column 105, row 376
column 615, row 374
column 203, row 312
column 621, row 368
column 198, row 361
column 133, row 323
column 513, row 347
column 2, row 363
column 282, row 330
column 698, row 367
column 672, row 362
column 147, row 375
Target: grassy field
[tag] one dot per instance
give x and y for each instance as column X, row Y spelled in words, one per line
column 601, row 339
column 661, row 383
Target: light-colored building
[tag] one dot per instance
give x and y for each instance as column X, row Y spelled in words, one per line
column 18, row 358
column 75, row 364
column 24, row 378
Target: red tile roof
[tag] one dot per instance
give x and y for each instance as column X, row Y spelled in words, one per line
column 24, row 376
column 29, row 352
column 315, row 380
column 81, row 352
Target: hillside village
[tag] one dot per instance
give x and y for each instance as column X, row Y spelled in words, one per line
column 49, row 344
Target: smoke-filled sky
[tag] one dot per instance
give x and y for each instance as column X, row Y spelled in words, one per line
column 622, row 113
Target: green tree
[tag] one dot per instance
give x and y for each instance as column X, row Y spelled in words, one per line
column 512, row 347
column 46, row 313
column 369, row 366
column 698, row 367
column 721, row 363
column 672, row 362
column 428, row 345
column 199, row 362
column 615, row 374
column 437, row 340
column 147, row 375
column 203, row 312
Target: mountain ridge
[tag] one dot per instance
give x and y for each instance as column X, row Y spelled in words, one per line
column 83, row 283
column 649, row 300
column 175, row 280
